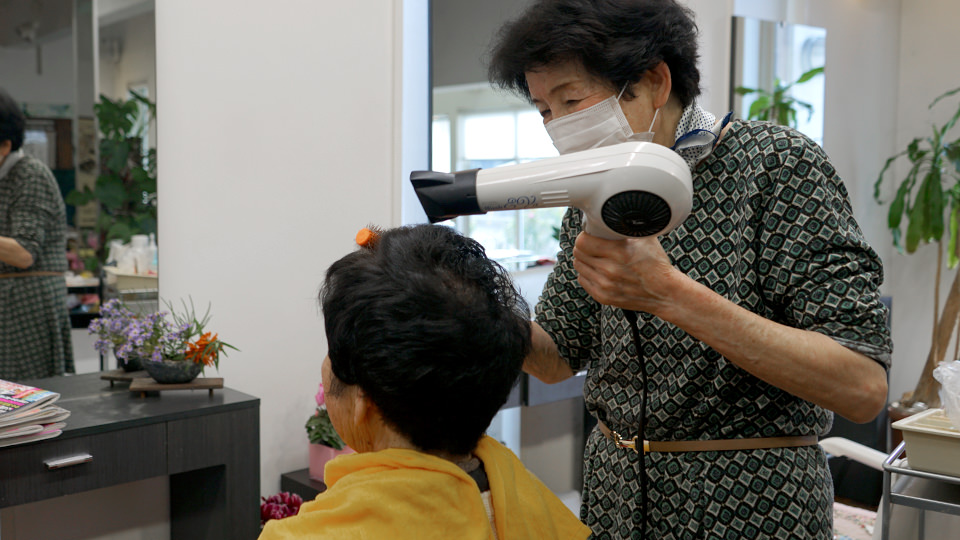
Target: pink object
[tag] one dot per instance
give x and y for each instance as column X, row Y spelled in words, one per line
column 320, row 454
column 320, row 397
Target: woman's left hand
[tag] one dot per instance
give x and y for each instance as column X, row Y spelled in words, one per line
column 633, row 273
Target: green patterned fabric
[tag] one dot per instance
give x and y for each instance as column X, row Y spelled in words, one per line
column 34, row 322
column 771, row 230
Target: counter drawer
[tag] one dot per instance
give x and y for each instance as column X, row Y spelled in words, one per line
column 118, row 457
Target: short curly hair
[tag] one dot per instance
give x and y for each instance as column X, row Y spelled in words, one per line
column 12, row 121
column 432, row 330
column 615, row 40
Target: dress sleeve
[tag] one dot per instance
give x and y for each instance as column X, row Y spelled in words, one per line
column 817, row 269
column 31, row 208
column 565, row 311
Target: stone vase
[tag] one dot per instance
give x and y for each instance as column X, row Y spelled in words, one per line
column 168, row 372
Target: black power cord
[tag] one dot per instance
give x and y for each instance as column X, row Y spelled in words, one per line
column 631, row 317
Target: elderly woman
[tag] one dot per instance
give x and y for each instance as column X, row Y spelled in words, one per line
column 716, row 353
column 426, row 338
column 34, row 322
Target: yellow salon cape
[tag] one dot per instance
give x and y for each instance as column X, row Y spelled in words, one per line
column 399, row 494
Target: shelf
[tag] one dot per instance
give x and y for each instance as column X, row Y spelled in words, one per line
column 916, row 489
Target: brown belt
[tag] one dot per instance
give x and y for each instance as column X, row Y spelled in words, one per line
column 712, row 445
column 30, row 274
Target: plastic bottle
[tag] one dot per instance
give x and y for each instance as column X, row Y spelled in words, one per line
column 141, row 257
column 153, row 264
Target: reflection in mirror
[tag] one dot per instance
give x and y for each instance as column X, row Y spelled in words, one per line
column 476, row 126
column 777, row 73
column 57, row 57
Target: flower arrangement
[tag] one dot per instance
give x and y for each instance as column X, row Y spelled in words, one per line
column 181, row 337
column 320, row 428
column 279, row 506
column 111, row 326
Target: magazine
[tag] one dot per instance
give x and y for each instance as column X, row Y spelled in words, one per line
column 42, row 415
column 46, row 431
column 16, row 399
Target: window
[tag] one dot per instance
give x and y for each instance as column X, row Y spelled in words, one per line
column 485, row 139
column 768, row 53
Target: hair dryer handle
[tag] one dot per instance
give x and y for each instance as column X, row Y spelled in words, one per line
column 594, row 226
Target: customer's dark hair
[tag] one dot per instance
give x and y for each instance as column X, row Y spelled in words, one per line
column 431, row 329
column 617, row 41
column 12, row 121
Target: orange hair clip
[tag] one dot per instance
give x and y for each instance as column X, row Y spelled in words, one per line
column 368, row 236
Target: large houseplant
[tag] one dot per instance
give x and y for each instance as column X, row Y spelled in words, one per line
column 126, row 188
column 929, row 192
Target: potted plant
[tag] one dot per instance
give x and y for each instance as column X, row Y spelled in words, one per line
column 325, row 443
column 930, row 187
column 126, row 187
column 778, row 106
column 172, row 347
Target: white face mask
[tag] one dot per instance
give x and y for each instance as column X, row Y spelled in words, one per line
column 599, row 125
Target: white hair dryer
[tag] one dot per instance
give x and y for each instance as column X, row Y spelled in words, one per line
column 631, row 189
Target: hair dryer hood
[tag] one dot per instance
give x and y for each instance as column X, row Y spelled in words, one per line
column 632, row 189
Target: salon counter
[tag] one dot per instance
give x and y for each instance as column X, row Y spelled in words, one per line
column 207, row 443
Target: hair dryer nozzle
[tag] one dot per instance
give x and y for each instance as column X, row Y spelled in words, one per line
column 446, row 195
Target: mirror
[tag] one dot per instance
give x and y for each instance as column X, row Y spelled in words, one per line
column 477, row 126
column 778, row 62
column 57, row 57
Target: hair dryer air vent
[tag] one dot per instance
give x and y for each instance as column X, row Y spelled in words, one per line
column 636, row 213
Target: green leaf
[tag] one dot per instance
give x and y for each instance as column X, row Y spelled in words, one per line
column 757, row 108
column 944, row 95
column 120, row 230
column 809, row 75
column 952, row 258
column 916, row 225
column 952, row 152
column 934, row 208
column 879, row 182
column 79, row 197
column 896, row 207
column 110, row 191
column 743, row 90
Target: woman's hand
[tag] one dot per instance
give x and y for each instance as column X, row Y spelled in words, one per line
column 633, row 273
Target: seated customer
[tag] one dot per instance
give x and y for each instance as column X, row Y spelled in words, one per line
column 426, row 338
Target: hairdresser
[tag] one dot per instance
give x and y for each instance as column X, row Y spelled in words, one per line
column 756, row 320
column 34, row 321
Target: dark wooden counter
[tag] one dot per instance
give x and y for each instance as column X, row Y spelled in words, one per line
column 209, row 446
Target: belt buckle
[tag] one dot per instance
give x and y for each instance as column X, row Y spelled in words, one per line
column 628, row 444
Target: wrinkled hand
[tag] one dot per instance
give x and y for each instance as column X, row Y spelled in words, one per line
column 634, row 273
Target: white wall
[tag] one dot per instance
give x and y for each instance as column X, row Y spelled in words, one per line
column 54, row 85
column 136, row 61
column 927, row 68
column 277, row 143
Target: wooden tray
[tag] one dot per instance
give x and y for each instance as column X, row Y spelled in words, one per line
column 147, row 384
column 119, row 375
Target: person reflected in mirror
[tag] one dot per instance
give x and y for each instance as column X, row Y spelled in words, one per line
column 426, row 338
column 727, row 343
column 34, row 321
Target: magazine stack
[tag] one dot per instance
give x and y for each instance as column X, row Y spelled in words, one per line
column 28, row 414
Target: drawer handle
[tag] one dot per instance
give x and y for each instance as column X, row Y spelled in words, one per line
column 60, row 463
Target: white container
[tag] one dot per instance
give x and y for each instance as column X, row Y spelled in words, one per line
column 933, row 444
column 126, row 281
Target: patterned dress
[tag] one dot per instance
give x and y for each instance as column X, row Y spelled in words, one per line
column 34, row 322
column 771, row 230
